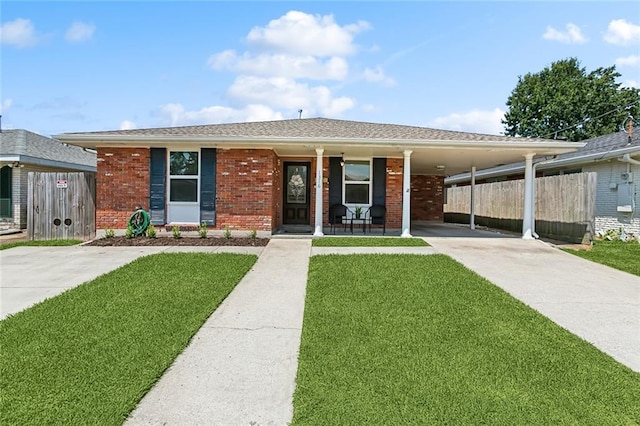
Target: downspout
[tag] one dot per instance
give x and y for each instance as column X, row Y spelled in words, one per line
column 627, row 159
column 533, row 204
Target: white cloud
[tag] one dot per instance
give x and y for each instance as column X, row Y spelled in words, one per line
column 631, row 84
column 287, row 93
column 218, row 114
column 622, row 33
column 477, row 121
column 79, row 32
column 19, row 33
column 301, row 33
column 287, row 56
column 572, row 35
column 377, row 76
column 5, row 105
column 631, row 61
column 127, row 125
column 281, row 65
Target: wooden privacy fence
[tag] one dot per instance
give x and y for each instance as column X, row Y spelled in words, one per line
column 61, row 206
column 565, row 205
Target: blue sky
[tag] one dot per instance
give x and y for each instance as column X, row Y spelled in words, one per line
column 92, row 66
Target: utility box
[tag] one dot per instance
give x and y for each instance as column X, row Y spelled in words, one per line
column 625, row 197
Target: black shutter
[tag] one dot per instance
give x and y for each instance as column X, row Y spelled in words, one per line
column 208, row 186
column 335, row 181
column 379, row 181
column 157, row 185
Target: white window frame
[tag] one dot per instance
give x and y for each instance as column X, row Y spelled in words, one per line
column 170, row 177
column 369, row 182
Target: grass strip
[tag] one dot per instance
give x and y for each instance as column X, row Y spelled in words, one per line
column 368, row 242
column 408, row 339
column 621, row 255
column 89, row 355
column 39, row 243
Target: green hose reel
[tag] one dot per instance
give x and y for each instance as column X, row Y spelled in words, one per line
column 139, row 222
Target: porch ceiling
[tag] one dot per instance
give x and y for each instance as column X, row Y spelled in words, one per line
column 430, row 159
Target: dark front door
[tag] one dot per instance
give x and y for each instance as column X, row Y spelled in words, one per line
column 296, row 194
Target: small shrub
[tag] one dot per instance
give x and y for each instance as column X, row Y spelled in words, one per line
column 129, row 232
column 253, row 234
column 619, row 234
column 202, row 230
column 151, row 231
column 175, row 230
column 227, row 232
column 109, row 233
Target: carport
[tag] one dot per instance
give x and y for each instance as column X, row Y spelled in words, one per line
column 455, row 153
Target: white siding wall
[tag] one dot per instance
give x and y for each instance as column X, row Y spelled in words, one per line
column 607, row 216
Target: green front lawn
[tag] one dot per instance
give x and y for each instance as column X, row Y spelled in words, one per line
column 407, row 339
column 39, row 243
column 368, row 242
column 617, row 254
column 89, row 355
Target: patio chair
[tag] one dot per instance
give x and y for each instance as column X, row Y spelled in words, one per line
column 338, row 215
column 376, row 215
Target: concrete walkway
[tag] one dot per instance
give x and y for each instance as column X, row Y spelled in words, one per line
column 30, row 275
column 240, row 367
column 596, row 302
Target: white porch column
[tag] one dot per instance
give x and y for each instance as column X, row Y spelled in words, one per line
column 406, row 195
column 318, row 231
column 472, row 213
column 527, row 217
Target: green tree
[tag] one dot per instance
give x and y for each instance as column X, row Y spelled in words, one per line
column 563, row 101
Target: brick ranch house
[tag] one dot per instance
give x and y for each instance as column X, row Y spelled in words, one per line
column 265, row 175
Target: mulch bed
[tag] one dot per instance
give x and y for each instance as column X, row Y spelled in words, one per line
column 184, row 241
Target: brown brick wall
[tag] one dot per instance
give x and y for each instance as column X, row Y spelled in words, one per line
column 248, row 189
column 247, row 184
column 394, row 192
column 427, row 197
column 122, row 184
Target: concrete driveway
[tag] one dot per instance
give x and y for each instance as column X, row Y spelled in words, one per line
column 29, row 275
column 596, row 302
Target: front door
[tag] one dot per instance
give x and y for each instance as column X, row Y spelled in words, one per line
column 296, row 194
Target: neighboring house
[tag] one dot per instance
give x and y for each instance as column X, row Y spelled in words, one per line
column 616, row 160
column 22, row 152
column 264, row 175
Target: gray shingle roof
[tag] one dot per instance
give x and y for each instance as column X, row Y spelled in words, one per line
column 23, row 143
column 321, row 128
column 605, row 144
column 599, row 148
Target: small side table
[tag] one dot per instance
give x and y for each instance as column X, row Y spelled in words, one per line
column 362, row 221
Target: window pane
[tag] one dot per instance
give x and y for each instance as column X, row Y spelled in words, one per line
column 296, row 184
column 183, row 190
column 183, row 163
column 356, row 193
column 357, row 170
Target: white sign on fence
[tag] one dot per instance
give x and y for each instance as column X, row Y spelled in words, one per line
column 61, row 183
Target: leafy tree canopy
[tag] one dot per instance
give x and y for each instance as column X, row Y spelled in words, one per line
column 563, row 101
